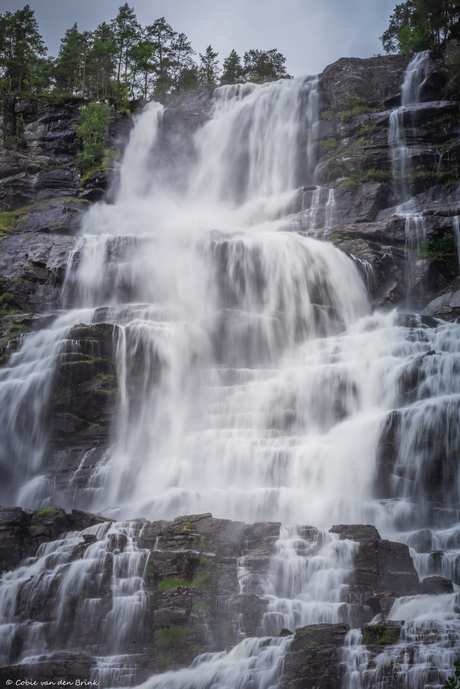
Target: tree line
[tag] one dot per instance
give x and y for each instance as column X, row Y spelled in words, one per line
column 418, row 25
column 121, row 60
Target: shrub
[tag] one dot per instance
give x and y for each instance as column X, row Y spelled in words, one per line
column 92, row 130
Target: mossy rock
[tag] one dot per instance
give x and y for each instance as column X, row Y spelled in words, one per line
column 381, row 634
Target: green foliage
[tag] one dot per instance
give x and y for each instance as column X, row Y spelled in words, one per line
column 440, row 246
column 170, row 638
column 92, row 130
column 264, row 65
column 328, row 115
column 453, row 682
column 120, row 60
column 22, row 49
column 208, row 71
column 232, row 69
column 47, row 512
column 417, row 25
column 328, row 144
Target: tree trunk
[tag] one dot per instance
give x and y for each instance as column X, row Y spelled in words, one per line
column 84, row 69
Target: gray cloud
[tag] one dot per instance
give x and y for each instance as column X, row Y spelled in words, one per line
column 310, row 33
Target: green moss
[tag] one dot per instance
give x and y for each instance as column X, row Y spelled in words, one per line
column 164, row 660
column 36, row 526
column 13, row 330
column 347, row 183
column 172, row 637
column 307, row 668
column 200, row 581
column 381, row 635
column 355, row 106
column 190, row 526
column 202, row 542
column 201, row 606
column 172, row 582
column 48, row 512
column 10, row 219
column 328, row 144
column 205, row 560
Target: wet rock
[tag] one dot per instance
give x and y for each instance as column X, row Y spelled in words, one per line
column 379, row 566
column 58, row 667
column 14, row 530
column 381, row 634
column 447, row 306
column 376, row 80
column 314, row 658
column 436, row 585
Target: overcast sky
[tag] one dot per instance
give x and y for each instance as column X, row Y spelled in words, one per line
column 310, row 33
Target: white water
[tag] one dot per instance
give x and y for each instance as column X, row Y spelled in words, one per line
column 415, row 227
column 265, row 382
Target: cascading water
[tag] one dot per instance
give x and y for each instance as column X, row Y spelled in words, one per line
column 415, row 227
column 253, row 383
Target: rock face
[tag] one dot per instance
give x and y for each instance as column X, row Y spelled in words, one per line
column 38, row 146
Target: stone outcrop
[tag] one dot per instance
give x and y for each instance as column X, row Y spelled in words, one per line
column 314, row 658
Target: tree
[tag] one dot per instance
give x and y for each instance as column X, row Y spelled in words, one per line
column 208, row 71
column 92, row 129
column 22, row 48
column 69, row 63
column 453, row 682
column 144, row 62
column 161, row 33
column 102, row 58
column 264, row 65
column 232, row 69
column 417, row 25
column 126, row 31
column 181, row 60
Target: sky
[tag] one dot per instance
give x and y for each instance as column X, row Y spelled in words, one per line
column 310, row 33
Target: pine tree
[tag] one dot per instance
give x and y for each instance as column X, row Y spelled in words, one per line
column 208, row 71
column 143, row 56
column 69, row 63
column 232, row 69
column 162, row 35
column 102, row 59
column 127, row 31
column 22, row 48
column 181, row 59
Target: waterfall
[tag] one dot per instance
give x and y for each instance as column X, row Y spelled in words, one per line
column 415, row 227
column 253, row 383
